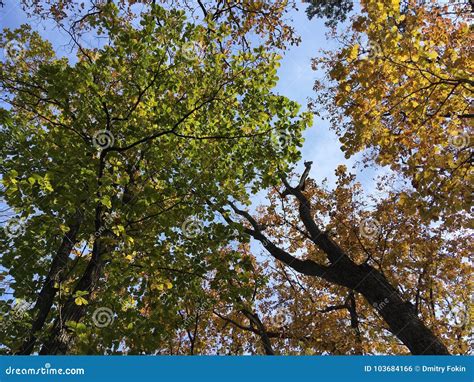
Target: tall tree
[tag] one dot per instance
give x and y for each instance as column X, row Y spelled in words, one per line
column 294, row 235
column 96, row 150
column 426, row 266
column 129, row 171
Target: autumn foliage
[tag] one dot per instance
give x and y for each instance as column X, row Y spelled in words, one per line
column 130, row 170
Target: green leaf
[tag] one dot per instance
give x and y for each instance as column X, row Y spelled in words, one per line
column 105, row 200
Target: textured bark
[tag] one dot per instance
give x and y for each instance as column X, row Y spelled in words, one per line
column 48, row 292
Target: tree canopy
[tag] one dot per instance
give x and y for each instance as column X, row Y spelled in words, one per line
column 130, row 171
column 402, row 87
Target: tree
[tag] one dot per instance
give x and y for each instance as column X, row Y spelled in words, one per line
column 400, row 89
column 321, row 298
column 265, row 18
column 333, row 11
column 97, row 150
column 301, row 302
column 128, row 174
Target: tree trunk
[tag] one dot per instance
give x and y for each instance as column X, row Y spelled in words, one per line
column 61, row 337
column 48, row 292
column 399, row 315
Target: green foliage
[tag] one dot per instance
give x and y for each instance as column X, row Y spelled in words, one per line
column 136, row 137
column 333, row 11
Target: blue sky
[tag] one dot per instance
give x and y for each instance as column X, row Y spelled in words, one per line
column 296, row 82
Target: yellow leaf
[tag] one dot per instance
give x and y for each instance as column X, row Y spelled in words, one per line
column 80, row 301
column 353, row 52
